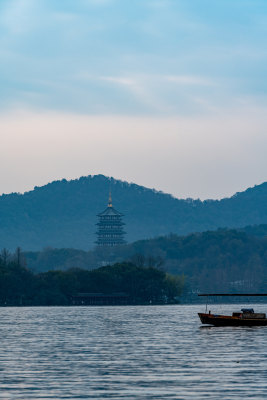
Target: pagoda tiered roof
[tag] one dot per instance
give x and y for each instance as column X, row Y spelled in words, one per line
column 110, row 211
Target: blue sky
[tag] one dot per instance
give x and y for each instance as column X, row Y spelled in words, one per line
column 186, row 77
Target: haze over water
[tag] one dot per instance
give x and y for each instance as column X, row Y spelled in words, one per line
column 159, row 352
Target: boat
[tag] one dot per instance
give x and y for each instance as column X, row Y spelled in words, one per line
column 245, row 317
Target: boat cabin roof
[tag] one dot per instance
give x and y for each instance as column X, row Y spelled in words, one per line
column 247, row 310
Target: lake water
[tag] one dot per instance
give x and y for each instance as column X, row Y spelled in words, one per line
column 158, row 352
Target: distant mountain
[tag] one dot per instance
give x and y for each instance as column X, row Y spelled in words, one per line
column 62, row 214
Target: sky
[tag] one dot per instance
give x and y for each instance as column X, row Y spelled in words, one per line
column 169, row 94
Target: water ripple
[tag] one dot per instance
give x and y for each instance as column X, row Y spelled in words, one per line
column 128, row 353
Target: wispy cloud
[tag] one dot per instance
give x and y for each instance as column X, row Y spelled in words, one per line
column 189, row 80
column 138, row 57
column 15, row 16
column 161, row 87
column 119, row 80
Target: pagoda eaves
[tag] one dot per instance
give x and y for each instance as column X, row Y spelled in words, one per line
column 110, row 227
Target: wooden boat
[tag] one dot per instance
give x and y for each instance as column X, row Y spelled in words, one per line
column 245, row 317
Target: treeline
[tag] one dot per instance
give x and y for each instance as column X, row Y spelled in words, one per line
column 231, row 260
column 224, row 260
column 20, row 287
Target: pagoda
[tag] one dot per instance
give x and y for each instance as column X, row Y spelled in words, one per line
column 110, row 227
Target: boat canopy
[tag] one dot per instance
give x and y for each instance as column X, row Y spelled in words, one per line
column 247, row 310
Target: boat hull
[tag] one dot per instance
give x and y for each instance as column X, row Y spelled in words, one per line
column 227, row 320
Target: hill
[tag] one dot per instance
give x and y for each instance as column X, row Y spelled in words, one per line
column 229, row 260
column 63, row 213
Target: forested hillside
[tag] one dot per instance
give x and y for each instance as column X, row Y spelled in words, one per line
column 62, row 214
column 20, row 287
column 220, row 260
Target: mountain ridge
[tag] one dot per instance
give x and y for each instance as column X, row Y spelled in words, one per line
column 63, row 213
column 126, row 183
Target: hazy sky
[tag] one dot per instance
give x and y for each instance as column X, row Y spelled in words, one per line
column 170, row 94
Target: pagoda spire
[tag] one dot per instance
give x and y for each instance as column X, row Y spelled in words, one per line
column 109, row 199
